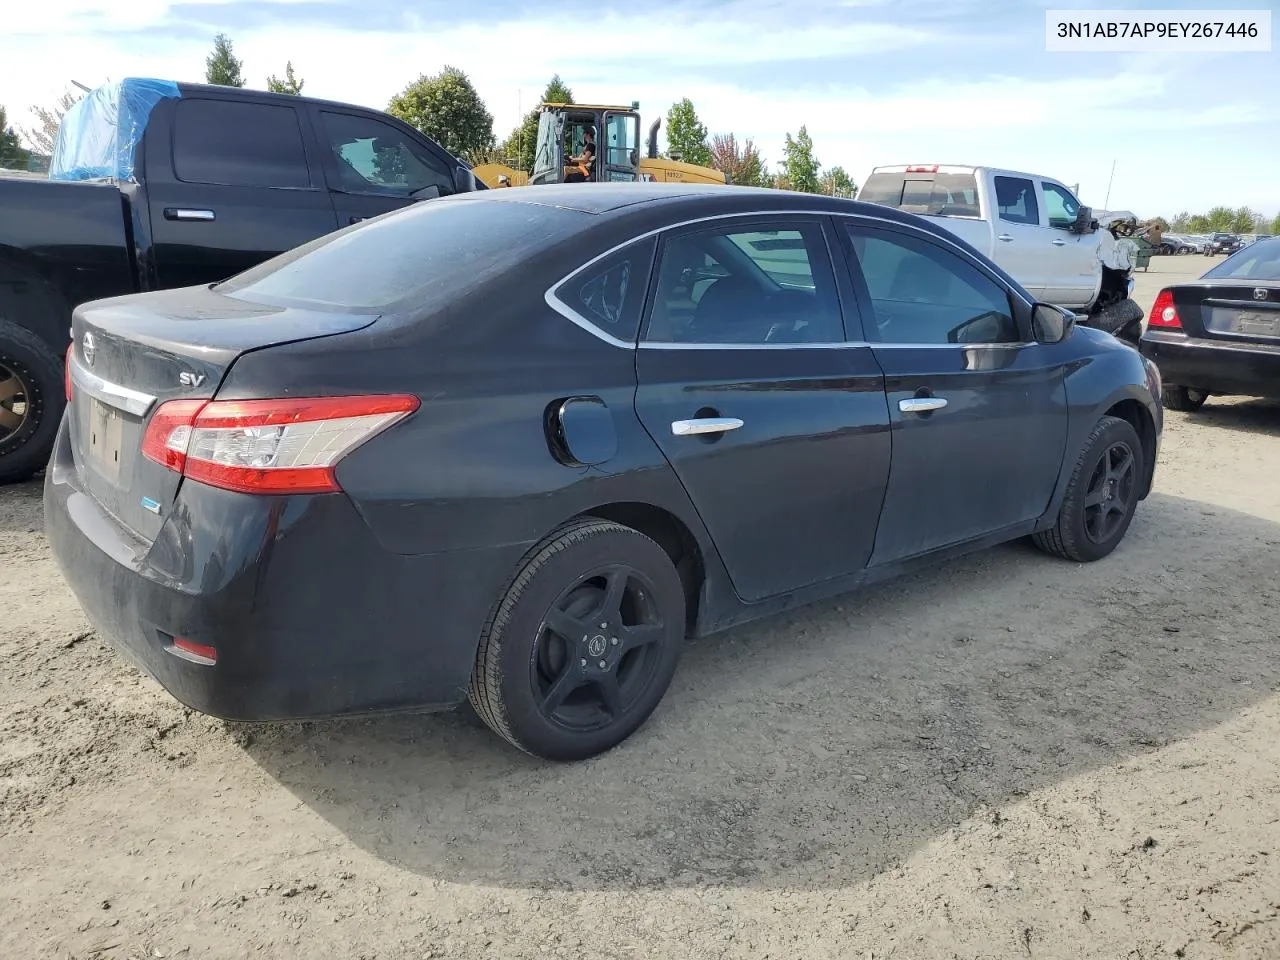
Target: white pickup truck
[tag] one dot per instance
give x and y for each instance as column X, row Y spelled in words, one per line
column 1032, row 226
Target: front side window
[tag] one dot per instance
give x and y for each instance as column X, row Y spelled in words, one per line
column 375, row 157
column 922, row 293
column 622, row 141
column 1016, row 200
column 240, row 144
column 546, row 158
column 763, row 284
column 1061, row 206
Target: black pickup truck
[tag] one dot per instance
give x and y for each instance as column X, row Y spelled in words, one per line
column 219, row 179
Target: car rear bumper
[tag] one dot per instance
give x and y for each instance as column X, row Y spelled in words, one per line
column 309, row 616
column 1214, row 366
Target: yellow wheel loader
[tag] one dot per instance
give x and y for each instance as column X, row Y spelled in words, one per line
column 579, row 142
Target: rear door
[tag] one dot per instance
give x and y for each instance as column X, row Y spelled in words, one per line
column 232, row 186
column 978, row 413
column 1022, row 245
column 373, row 166
column 775, row 425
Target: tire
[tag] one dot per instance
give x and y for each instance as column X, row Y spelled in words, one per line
column 1122, row 319
column 32, row 398
column 544, row 690
column 1078, row 533
column 1182, row 398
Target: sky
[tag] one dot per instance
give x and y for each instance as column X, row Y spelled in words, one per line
column 874, row 81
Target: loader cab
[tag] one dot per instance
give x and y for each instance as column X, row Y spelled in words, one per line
column 562, row 134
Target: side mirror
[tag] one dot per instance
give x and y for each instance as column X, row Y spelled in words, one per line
column 1084, row 221
column 464, row 180
column 1050, row 324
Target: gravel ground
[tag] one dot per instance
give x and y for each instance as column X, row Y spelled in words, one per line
column 1011, row 756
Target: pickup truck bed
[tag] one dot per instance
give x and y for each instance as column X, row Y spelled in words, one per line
column 218, row 180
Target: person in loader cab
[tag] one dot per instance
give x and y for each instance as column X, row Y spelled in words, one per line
column 578, row 169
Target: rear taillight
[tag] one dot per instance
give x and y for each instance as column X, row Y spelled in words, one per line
column 922, row 168
column 1163, row 313
column 267, row 446
column 66, row 369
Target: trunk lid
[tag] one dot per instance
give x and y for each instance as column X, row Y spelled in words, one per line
column 1231, row 310
column 131, row 354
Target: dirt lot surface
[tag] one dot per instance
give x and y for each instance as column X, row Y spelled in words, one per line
column 1011, row 756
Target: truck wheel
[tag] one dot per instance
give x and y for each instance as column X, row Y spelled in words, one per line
column 1182, row 398
column 583, row 645
column 31, row 402
column 1101, row 496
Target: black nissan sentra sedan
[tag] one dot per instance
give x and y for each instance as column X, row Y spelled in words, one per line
column 516, row 446
column 1220, row 334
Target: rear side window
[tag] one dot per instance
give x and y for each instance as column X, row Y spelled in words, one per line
column 610, row 293
column 927, row 194
column 1016, row 199
column 234, row 143
column 403, row 258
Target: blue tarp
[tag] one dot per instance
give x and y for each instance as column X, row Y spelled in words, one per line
column 98, row 135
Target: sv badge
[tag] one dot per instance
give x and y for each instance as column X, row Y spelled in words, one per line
column 188, row 379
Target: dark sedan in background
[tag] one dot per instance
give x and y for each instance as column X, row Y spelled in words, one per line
column 1220, row 334
column 516, row 446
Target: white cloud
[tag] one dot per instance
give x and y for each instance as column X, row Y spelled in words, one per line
column 1071, row 128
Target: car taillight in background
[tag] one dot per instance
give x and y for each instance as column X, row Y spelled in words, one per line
column 1164, row 315
column 267, row 446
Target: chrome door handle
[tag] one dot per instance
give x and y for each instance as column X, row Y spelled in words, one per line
column 182, row 213
column 1058, row 243
column 1005, row 237
column 921, row 404
column 691, row 428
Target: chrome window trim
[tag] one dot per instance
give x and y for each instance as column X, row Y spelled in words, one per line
column 559, row 306
column 112, row 394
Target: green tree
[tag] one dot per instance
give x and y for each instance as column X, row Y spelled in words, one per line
column 221, row 66
column 687, row 135
column 12, row 154
column 1181, row 223
column 290, row 83
column 447, row 108
column 1275, row 226
column 836, row 182
column 521, row 144
column 800, row 164
column 1244, row 221
column 741, row 164
column 1220, row 219
column 45, row 135
column 1199, row 224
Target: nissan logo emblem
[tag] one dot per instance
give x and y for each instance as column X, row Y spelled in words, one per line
column 88, row 347
column 1260, row 293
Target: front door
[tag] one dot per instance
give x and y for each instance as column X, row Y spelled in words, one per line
column 620, row 147
column 979, row 413
column 1075, row 272
column 776, row 427
column 374, row 167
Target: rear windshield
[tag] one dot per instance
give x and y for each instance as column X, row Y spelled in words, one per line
column 929, row 194
column 1258, row 261
column 388, row 264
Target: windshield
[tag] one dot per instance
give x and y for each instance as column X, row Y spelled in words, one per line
column 1258, row 261
column 398, row 261
column 929, row 194
column 546, row 158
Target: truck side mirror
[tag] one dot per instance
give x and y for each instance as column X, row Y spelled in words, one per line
column 1084, row 221
column 464, row 180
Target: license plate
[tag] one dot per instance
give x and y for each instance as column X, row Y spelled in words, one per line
column 106, row 432
column 1256, row 324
